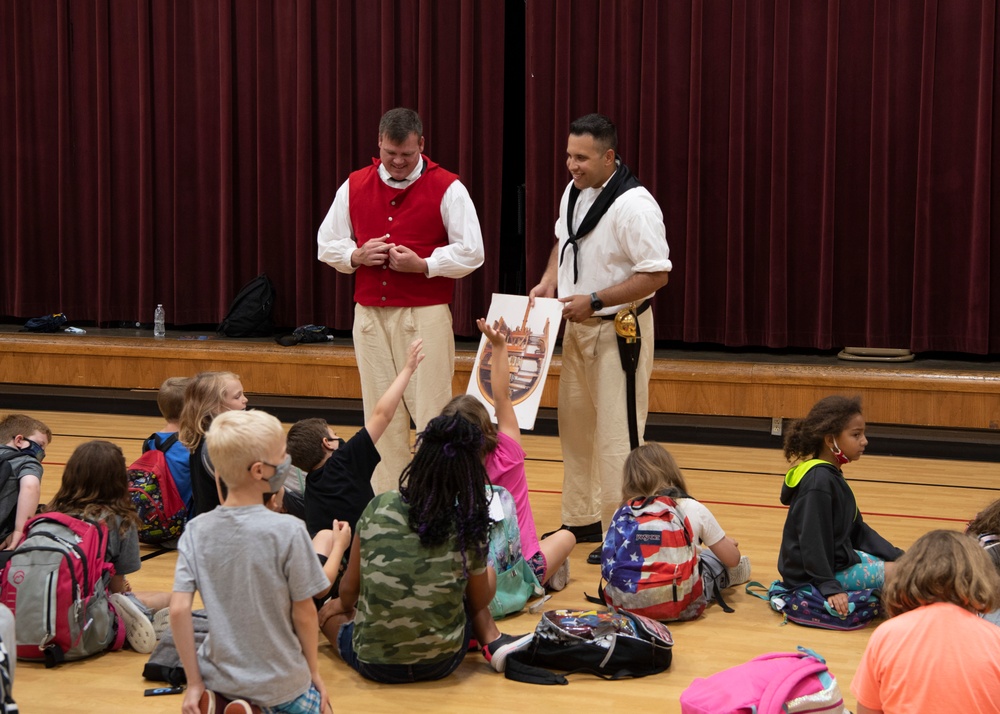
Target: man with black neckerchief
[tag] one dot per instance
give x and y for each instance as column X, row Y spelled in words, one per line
column 610, row 258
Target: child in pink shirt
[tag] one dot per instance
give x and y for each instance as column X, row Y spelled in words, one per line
column 503, row 458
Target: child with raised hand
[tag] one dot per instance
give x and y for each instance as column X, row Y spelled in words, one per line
column 417, row 587
column 651, row 470
column 503, row 457
column 257, row 574
column 339, row 473
column 825, row 542
column 23, row 442
column 207, row 395
column 934, row 653
column 95, row 486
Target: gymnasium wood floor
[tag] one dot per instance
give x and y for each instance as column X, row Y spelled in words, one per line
column 901, row 497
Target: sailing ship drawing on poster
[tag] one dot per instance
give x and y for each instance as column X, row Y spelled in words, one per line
column 526, row 354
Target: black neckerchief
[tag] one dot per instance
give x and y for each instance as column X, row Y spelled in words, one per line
column 622, row 181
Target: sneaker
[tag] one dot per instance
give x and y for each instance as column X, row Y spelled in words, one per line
column 496, row 651
column 211, row 703
column 147, row 611
column 595, row 556
column 138, row 629
column 161, row 622
column 590, row 533
column 558, row 580
column 241, row 706
column 741, row 573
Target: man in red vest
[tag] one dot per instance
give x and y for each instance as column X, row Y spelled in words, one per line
column 407, row 229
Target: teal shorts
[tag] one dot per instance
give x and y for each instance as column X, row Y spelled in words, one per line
column 868, row 574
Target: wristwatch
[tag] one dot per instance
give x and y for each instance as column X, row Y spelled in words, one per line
column 595, row 302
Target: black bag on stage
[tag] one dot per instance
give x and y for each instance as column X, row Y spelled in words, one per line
column 250, row 312
column 45, row 323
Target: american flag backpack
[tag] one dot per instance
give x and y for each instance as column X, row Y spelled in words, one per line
column 650, row 561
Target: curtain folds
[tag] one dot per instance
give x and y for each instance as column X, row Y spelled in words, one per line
column 167, row 152
column 825, row 169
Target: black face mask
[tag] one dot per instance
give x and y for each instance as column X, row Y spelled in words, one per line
column 339, row 442
column 34, row 449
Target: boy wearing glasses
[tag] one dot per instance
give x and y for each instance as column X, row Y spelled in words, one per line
column 24, row 440
column 257, row 575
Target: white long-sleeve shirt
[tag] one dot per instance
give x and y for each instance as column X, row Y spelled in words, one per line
column 463, row 254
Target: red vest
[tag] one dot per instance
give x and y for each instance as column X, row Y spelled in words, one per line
column 412, row 217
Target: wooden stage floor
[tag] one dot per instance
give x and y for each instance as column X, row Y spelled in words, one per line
column 901, row 497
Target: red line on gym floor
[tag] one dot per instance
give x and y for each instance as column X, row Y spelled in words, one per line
column 778, row 505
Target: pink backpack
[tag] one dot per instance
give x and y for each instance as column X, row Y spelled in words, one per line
column 770, row 684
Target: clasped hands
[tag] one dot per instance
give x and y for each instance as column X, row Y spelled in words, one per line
column 378, row 252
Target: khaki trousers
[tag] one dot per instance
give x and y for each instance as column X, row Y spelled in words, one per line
column 593, row 424
column 382, row 336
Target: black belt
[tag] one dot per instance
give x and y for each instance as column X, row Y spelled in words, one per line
column 638, row 310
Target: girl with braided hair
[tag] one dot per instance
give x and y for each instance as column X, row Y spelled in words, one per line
column 417, row 587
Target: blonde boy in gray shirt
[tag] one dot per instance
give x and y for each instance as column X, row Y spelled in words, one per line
column 257, row 574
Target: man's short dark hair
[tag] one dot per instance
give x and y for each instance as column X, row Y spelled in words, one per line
column 598, row 126
column 397, row 125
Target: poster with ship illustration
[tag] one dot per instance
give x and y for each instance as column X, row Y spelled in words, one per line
column 531, row 336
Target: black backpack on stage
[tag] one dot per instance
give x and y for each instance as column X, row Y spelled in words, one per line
column 250, row 312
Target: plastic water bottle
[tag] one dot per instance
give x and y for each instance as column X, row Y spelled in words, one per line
column 159, row 320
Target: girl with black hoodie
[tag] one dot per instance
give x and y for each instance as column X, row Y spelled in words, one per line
column 825, row 542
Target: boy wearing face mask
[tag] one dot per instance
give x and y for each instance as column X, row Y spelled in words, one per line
column 24, row 440
column 339, row 472
column 272, row 663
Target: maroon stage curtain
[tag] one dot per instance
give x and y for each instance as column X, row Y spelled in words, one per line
column 825, row 169
column 170, row 151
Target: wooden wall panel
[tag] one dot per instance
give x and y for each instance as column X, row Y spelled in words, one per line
column 893, row 394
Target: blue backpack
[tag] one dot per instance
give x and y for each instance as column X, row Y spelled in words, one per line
column 806, row 606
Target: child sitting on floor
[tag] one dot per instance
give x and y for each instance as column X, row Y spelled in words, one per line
column 95, row 486
column 257, row 574
column 339, row 473
column 651, row 470
column 170, row 400
column 503, row 458
column 825, row 542
column 417, row 586
column 207, row 395
column 985, row 528
column 934, row 654
column 24, row 441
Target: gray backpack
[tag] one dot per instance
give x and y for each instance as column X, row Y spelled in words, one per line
column 56, row 583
